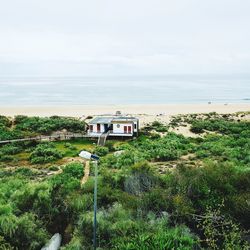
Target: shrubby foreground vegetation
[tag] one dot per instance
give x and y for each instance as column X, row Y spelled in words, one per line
column 22, row 126
column 155, row 192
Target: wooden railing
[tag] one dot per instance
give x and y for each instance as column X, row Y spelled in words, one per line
column 54, row 137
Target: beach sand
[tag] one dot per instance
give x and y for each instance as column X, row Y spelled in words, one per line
column 146, row 112
column 149, row 109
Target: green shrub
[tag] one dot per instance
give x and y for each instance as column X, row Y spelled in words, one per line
column 4, row 121
column 168, row 147
column 155, row 136
column 10, row 149
column 110, row 145
column 23, row 232
column 7, row 134
column 219, row 125
column 74, row 170
column 197, row 128
column 6, row 158
column 159, row 127
column 53, row 168
column 138, row 208
column 48, row 125
column 70, row 146
column 101, row 151
column 221, row 232
column 140, row 180
column 24, row 171
column 177, row 238
column 44, row 153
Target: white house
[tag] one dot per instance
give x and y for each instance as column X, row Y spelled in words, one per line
column 114, row 126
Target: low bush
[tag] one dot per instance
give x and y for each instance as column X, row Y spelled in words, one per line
column 4, row 122
column 101, row 151
column 159, row 127
column 53, row 168
column 11, row 149
column 219, row 125
column 69, row 146
column 45, row 153
column 48, row 125
column 166, row 148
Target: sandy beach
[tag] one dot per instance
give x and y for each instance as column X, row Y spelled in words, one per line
column 149, row 109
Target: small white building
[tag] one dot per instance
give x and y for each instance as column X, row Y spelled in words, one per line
column 114, row 126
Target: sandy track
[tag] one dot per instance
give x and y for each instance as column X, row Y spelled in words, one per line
column 86, row 173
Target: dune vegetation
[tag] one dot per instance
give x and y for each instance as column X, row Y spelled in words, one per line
column 159, row 191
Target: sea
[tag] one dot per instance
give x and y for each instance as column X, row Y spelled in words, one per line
column 174, row 89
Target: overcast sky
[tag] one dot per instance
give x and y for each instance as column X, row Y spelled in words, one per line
column 124, row 37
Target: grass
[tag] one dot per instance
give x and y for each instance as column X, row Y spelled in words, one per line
column 70, row 148
column 76, row 146
column 23, row 157
column 139, row 202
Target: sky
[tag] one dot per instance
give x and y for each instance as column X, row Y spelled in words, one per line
column 117, row 37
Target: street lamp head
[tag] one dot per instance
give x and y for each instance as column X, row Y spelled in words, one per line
column 88, row 156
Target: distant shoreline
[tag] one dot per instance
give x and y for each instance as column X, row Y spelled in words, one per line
column 133, row 109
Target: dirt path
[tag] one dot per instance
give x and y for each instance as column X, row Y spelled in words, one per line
column 86, row 173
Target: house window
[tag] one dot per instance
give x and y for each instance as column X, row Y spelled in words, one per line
column 135, row 126
column 90, row 128
column 118, row 125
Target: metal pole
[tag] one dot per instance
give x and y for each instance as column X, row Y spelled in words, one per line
column 95, row 206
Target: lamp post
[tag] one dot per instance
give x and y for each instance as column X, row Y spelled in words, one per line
column 88, row 156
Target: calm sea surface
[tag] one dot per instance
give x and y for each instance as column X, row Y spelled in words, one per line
column 123, row 90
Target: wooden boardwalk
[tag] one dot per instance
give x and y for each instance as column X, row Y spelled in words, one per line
column 54, row 137
column 102, row 138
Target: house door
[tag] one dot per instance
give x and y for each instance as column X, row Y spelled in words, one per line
column 129, row 129
column 111, row 128
column 98, row 128
column 106, row 127
column 125, row 129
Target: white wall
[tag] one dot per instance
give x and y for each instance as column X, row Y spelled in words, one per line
column 95, row 128
column 116, row 129
column 136, row 129
column 120, row 129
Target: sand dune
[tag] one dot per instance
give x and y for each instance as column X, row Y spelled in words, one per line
column 149, row 109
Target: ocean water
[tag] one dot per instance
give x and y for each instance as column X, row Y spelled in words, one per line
column 123, row 90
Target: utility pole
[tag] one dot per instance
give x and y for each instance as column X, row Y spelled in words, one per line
column 88, row 156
